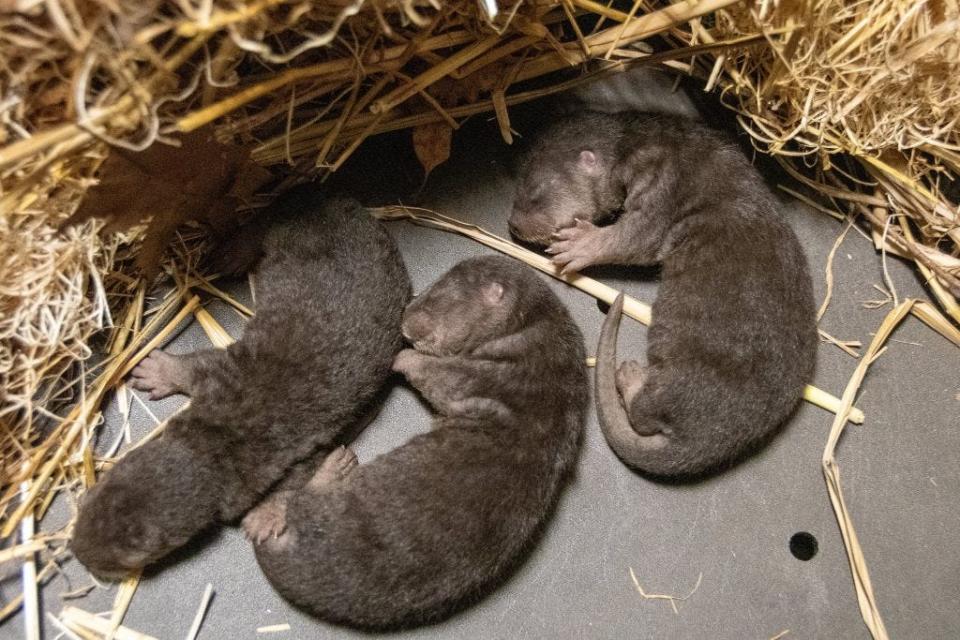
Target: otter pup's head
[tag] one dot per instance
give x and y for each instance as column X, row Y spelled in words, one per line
column 565, row 175
column 153, row 501
column 478, row 300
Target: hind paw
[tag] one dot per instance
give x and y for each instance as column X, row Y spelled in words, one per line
column 268, row 519
column 631, row 376
column 338, row 463
column 158, row 374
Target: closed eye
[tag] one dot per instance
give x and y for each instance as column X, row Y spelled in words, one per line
column 536, row 198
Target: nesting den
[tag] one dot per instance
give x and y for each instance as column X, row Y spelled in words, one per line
column 133, row 133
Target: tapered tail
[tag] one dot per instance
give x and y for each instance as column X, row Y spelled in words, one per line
column 634, row 449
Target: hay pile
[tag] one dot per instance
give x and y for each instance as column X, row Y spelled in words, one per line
column 299, row 83
column 860, row 101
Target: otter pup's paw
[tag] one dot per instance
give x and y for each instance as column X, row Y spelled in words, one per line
column 268, row 519
column 577, row 247
column 335, row 467
column 630, row 379
column 158, row 374
column 406, row 361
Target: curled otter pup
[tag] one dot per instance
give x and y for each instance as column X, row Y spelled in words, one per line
column 733, row 338
column 422, row 530
column 321, row 345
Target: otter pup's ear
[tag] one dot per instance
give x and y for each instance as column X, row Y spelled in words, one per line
column 588, row 161
column 493, row 292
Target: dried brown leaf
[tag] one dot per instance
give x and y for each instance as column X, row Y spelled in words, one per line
column 431, row 142
column 200, row 180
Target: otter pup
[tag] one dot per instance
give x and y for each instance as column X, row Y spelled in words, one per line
column 419, row 532
column 321, row 345
column 733, row 338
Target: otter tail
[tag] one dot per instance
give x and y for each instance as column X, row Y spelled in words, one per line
column 650, row 453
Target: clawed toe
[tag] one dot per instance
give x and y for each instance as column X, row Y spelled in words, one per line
column 267, row 520
column 155, row 374
column 338, row 463
column 576, row 247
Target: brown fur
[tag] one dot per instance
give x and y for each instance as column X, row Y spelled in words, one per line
column 419, row 532
column 733, row 338
column 321, row 345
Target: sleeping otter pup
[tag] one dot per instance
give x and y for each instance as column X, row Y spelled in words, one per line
column 422, row 530
column 733, row 338
column 308, row 364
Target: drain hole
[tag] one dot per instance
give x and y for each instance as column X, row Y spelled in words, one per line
column 803, row 545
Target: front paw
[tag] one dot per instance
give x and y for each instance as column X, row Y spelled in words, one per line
column 157, row 374
column 406, row 361
column 576, row 247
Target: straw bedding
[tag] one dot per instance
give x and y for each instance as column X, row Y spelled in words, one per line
column 859, row 101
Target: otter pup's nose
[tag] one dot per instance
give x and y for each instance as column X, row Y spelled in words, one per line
column 514, row 229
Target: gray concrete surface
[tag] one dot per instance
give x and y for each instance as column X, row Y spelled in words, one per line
column 899, row 474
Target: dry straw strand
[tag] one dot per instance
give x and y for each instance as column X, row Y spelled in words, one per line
column 658, row 596
column 82, row 622
column 17, row 601
column 28, row 572
column 122, row 600
column 831, row 471
column 201, row 612
column 274, row 628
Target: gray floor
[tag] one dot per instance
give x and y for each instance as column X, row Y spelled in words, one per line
column 899, row 474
